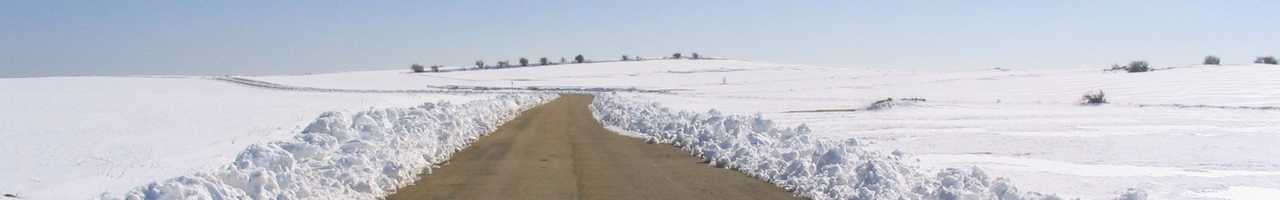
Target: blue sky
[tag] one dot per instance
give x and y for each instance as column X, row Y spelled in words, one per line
column 53, row 38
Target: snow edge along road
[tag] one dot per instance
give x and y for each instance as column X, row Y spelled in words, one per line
column 792, row 158
column 360, row 156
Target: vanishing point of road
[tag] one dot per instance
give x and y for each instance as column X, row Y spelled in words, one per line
column 559, row 151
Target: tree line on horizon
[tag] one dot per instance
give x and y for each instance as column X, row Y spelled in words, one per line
column 544, row 61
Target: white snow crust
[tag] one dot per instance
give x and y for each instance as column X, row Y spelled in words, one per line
column 365, row 155
column 797, row 160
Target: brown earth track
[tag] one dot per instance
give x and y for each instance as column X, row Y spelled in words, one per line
column 559, row 151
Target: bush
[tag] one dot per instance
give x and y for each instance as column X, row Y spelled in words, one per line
column 503, row 64
column 435, row 68
column 543, row 61
column 563, row 61
column 1212, row 60
column 479, row 64
column 579, row 59
column 676, row 56
column 1265, row 60
column 1094, row 98
column 625, row 57
column 524, row 62
column 696, row 56
column 1137, row 66
column 417, row 68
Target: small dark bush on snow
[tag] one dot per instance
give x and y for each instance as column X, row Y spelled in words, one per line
column 1137, row 66
column 417, row 68
column 543, row 61
column 579, row 59
column 1212, row 60
column 1265, row 60
column 524, row 62
column 1094, row 98
column 480, row 64
column 676, row 56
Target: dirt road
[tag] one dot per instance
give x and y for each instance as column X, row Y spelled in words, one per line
column 559, row 151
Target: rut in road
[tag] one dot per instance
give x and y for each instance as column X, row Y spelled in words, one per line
column 559, row 151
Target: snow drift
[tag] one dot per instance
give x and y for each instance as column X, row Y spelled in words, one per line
column 792, row 158
column 365, row 155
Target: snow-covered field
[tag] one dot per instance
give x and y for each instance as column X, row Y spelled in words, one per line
column 77, row 137
column 1183, row 133
column 1190, row 132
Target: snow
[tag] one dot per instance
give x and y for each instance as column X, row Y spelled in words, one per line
column 365, row 155
column 1243, row 193
column 795, row 159
column 1167, row 132
column 1186, row 132
column 77, row 137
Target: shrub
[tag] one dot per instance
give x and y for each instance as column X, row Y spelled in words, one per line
column 675, row 56
column 579, row 59
column 503, row 64
column 524, row 62
column 1265, row 60
column 1137, row 66
column 625, row 57
column 1212, row 60
column 435, row 68
column 695, row 56
column 563, row 61
column 1094, row 98
column 417, row 68
column 479, row 64
column 543, row 61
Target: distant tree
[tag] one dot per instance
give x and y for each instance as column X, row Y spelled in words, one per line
column 435, row 68
column 417, row 68
column 625, row 57
column 1137, row 66
column 563, row 61
column 1212, row 60
column 503, row 64
column 1265, row 60
column 479, row 64
column 524, row 62
column 579, row 59
column 696, row 56
column 676, row 56
column 638, row 58
column 543, row 61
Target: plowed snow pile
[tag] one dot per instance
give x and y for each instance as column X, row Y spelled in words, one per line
column 363, row 155
column 797, row 160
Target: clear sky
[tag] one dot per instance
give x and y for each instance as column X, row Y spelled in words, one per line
column 51, row 38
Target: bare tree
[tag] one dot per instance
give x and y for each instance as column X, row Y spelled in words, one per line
column 1138, row 66
column 1265, row 60
column 417, row 68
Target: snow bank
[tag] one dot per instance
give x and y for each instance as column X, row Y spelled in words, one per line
column 796, row 160
column 338, row 156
